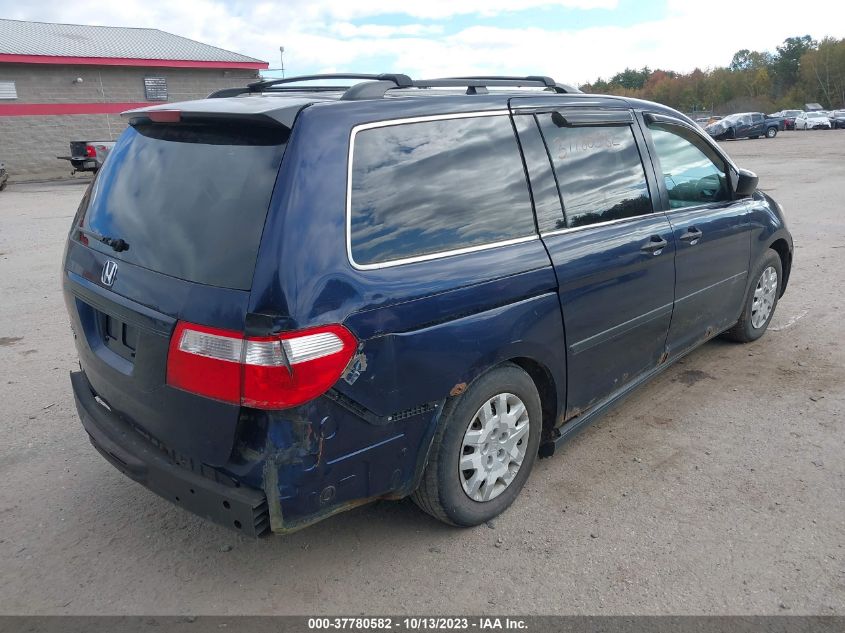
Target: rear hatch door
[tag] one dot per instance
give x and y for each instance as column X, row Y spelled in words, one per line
column 168, row 231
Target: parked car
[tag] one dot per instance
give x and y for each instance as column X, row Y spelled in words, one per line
column 745, row 125
column 313, row 299
column 837, row 119
column 87, row 155
column 4, row 176
column 788, row 117
column 812, row 121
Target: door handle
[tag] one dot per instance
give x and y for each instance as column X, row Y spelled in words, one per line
column 655, row 245
column 691, row 235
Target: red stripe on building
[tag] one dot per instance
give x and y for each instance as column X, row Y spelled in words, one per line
column 126, row 61
column 48, row 109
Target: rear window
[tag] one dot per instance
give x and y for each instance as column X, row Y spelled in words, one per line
column 190, row 200
column 423, row 188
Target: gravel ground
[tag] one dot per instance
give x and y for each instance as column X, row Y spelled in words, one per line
column 717, row 488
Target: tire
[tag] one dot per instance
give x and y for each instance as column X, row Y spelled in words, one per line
column 442, row 492
column 771, row 132
column 750, row 327
column 731, row 134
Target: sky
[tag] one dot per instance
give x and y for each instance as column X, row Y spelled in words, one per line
column 574, row 41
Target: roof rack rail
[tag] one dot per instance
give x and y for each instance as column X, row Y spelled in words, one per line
column 548, row 82
column 474, row 85
column 391, row 80
column 376, row 86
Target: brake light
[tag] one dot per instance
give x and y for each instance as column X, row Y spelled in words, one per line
column 271, row 372
column 164, row 116
column 90, row 152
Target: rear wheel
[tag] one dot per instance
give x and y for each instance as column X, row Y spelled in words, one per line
column 484, row 449
column 761, row 300
column 771, row 132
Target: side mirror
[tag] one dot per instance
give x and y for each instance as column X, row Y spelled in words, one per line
column 746, row 184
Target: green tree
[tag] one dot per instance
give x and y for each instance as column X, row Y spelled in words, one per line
column 823, row 73
column 786, row 65
column 801, row 70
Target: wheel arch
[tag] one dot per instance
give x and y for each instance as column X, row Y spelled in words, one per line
column 546, row 387
column 551, row 398
column 781, row 247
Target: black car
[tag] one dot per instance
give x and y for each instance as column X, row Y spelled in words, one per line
column 290, row 300
column 837, row 119
column 745, row 125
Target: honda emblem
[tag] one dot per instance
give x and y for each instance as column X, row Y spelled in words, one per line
column 109, row 272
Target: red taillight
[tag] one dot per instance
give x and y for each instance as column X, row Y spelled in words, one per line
column 271, row 372
column 90, row 152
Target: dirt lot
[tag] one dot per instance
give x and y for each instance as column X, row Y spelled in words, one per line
column 718, row 488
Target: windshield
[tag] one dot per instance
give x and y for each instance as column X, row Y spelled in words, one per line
column 190, row 200
column 815, row 115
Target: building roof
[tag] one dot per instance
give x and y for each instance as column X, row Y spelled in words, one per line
column 46, row 42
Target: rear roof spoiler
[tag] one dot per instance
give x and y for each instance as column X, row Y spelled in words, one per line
column 267, row 110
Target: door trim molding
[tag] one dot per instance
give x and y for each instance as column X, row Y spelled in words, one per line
column 620, row 329
column 711, row 286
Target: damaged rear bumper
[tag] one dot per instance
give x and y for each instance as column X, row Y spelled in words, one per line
column 196, row 488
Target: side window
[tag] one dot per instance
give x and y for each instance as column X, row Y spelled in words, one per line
column 599, row 172
column 692, row 170
column 757, row 117
column 435, row 186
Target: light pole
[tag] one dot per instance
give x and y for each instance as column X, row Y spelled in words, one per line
column 282, row 55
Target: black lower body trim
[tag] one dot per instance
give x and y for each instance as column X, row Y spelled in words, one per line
column 236, row 507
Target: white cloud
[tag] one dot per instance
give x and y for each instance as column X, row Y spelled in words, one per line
column 347, row 29
column 319, row 35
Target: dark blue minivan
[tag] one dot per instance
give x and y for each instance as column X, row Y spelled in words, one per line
column 290, row 299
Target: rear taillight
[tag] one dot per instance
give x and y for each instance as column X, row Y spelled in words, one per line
column 270, row 372
column 90, row 152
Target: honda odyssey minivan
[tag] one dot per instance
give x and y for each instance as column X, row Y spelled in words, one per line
column 290, row 299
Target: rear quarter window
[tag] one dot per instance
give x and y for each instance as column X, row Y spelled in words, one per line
column 424, row 188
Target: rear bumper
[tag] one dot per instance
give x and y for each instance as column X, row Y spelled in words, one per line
column 81, row 163
column 236, row 507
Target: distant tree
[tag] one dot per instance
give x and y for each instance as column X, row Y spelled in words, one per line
column 786, row 65
column 631, row 79
column 749, row 60
column 801, row 70
column 823, row 72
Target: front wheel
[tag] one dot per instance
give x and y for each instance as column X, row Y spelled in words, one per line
column 760, row 301
column 771, row 132
column 484, row 449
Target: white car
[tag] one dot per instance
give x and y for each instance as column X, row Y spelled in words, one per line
column 812, row 121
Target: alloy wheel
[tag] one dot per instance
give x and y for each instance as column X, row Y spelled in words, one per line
column 764, row 297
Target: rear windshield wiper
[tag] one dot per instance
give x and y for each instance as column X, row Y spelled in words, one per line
column 116, row 243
